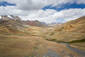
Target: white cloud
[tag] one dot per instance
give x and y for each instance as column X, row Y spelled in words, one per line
column 50, row 15
column 70, row 14
column 80, row 1
column 38, row 4
column 41, row 15
column 10, row 11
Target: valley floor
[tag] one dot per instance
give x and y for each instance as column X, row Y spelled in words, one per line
column 33, row 46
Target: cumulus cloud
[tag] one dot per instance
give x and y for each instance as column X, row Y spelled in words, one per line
column 31, row 4
column 50, row 15
column 71, row 13
column 12, row 11
column 41, row 15
column 80, row 1
column 38, row 4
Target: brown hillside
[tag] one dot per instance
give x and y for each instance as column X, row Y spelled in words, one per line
column 77, row 25
column 71, row 32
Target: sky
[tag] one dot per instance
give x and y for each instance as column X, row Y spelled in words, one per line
column 49, row 11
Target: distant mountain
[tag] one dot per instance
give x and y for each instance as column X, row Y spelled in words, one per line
column 11, row 23
column 35, row 23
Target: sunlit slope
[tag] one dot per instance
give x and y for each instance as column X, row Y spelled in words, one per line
column 71, row 32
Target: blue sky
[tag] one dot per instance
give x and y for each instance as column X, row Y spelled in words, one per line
column 49, row 11
column 64, row 6
column 4, row 3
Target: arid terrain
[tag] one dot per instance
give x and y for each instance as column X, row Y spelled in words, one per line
column 18, row 39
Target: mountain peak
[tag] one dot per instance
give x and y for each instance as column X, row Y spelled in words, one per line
column 7, row 17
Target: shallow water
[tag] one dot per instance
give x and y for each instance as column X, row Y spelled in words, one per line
column 51, row 53
column 81, row 52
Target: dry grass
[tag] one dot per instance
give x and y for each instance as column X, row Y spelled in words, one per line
column 25, row 46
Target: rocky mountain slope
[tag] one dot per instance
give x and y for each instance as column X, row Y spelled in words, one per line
column 35, row 23
column 10, row 24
